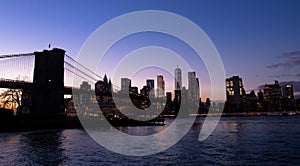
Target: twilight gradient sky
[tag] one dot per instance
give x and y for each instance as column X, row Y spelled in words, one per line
column 258, row 40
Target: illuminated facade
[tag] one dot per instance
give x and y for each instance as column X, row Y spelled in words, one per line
column 160, row 86
column 234, row 90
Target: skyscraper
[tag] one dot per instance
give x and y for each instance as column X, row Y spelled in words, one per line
column 150, row 83
column 273, row 96
column 193, row 83
column 178, row 79
column 288, row 102
column 234, row 90
column 287, row 91
column 160, row 86
column 125, row 84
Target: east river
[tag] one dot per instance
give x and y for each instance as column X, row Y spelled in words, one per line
column 264, row 140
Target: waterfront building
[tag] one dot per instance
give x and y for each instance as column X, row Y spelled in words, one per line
column 288, row 103
column 260, row 101
column 273, row 97
column 297, row 104
column 160, row 86
column 249, row 102
column 178, row 79
column 234, row 90
column 287, row 91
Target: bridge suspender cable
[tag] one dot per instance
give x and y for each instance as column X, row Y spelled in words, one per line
column 83, row 66
column 72, row 66
column 77, row 74
column 15, row 55
column 117, row 87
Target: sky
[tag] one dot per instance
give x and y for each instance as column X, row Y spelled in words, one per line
column 257, row 40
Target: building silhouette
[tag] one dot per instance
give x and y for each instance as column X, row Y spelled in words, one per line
column 273, row 97
column 234, row 90
column 288, row 102
column 287, row 91
column 103, row 87
column 150, row 83
column 260, row 101
column 145, row 91
column 134, row 91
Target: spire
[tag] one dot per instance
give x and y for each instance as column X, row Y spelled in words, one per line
column 105, row 79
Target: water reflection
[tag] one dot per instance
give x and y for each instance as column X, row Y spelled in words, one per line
column 10, row 145
column 235, row 141
column 42, row 148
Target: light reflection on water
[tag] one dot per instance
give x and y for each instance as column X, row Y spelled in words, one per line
column 235, row 141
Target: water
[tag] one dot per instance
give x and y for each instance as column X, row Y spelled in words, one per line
column 236, row 141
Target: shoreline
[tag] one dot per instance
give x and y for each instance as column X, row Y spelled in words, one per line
column 18, row 124
column 249, row 114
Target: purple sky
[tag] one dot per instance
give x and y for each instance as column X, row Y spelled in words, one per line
column 257, row 40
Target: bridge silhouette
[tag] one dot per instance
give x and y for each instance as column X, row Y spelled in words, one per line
column 47, row 89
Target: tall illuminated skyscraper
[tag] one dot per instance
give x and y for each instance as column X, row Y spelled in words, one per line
column 178, row 79
column 160, row 86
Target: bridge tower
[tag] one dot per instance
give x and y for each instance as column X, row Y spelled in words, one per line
column 48, row 84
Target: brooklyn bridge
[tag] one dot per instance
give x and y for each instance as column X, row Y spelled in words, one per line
column 40, row 95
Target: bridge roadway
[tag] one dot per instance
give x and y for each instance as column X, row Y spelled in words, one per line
column 26, row 85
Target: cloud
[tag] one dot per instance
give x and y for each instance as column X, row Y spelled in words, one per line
column 290, row 59
column 291, row 54
column 276, row 65
column 274, row 76
column 297, row 62
column 281, row 75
